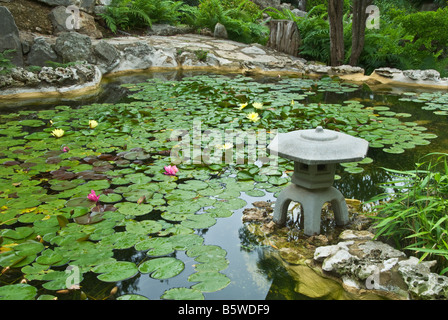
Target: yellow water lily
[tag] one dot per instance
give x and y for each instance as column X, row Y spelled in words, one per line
column 253, row 116
column 92, row 124
column 257, row 105
column 225, row 146
column 57, row 133
column 243, row 105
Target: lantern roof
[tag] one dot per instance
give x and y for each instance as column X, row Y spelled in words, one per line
column 319, row 146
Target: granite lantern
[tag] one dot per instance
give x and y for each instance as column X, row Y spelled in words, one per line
column 315, row 153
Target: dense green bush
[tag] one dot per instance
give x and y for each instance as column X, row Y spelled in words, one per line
column 416, row 217
column 133, row 14
column 240, row 17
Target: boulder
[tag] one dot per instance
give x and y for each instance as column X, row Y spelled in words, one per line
column 220, row 31
column 388, row 72
column 369, row 264
column 141, row 56
column 59, row 16
column 429, row 75
column 41, row 52
column 299, row 13
column 107, row 56
column 9, row 37
column 72, row 46
column 167, row 30
column 421, row 281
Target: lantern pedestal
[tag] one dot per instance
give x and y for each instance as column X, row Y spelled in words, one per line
column 312, row 202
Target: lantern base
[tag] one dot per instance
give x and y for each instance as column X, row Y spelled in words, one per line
column 312, row 202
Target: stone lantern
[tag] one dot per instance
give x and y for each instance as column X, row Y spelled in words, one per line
column 315, row 154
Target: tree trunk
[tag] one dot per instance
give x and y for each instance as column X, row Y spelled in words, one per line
column 358, row 28
column 335, row 15
column 284, row 36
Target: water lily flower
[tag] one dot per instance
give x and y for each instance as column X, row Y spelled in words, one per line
column 225, row 146
column 253, row 116
column 92, row 124
column 257, row 105
column 57, row 133
column 93, row 197
column 65, row 149
column 170, row 170
column 242, row 106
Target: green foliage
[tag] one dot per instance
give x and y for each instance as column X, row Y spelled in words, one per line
column 240, row 17
column 5, row 62
column 132, row 14
column 416, row 217
column 428, row 46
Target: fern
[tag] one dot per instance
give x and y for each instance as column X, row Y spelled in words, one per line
column 5, row 62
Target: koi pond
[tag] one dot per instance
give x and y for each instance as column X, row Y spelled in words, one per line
column 92, row 207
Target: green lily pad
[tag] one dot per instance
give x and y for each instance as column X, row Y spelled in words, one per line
column 182, row 294
column 20, row 291
column 116, row 271
column 198, row 221
column 156, row 246
column 209, row 281
column 162, row 268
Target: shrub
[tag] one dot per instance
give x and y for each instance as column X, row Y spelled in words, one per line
column 415, row 217
column 240, row 17
column 5, row 62
column 132, row 14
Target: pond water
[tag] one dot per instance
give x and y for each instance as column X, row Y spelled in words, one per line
column 250, row 271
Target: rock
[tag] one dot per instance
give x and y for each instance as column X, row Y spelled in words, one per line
column 220, row 31
column 24, row 77
column 9, row 37
column 167, row 30
column 72, row 46
column 431, row 75
column 59, row 16
column 299, row 13
column 27, row 40
column 346, row 69
column 355, row 235
column 40, row 53
column 388, row 72
column 141, row 56
column 267, row 3
column 421, row 282
column 253, row 50
column 107, row 56
column 338, row 261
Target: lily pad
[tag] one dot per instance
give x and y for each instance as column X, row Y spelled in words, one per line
column 209, row 281
column 116, row 271
column 162, row 268
column 182, row 294
column 20, row 291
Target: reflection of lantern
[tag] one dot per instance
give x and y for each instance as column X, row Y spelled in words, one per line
column 315, row 154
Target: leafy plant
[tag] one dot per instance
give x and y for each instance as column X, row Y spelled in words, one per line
column 201, row 55
column 239, row 17
column 416, row 216
column 5, row 62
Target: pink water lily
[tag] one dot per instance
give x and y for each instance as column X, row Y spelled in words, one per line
column 170, row 170
column 93, row 197
column 65, row 149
